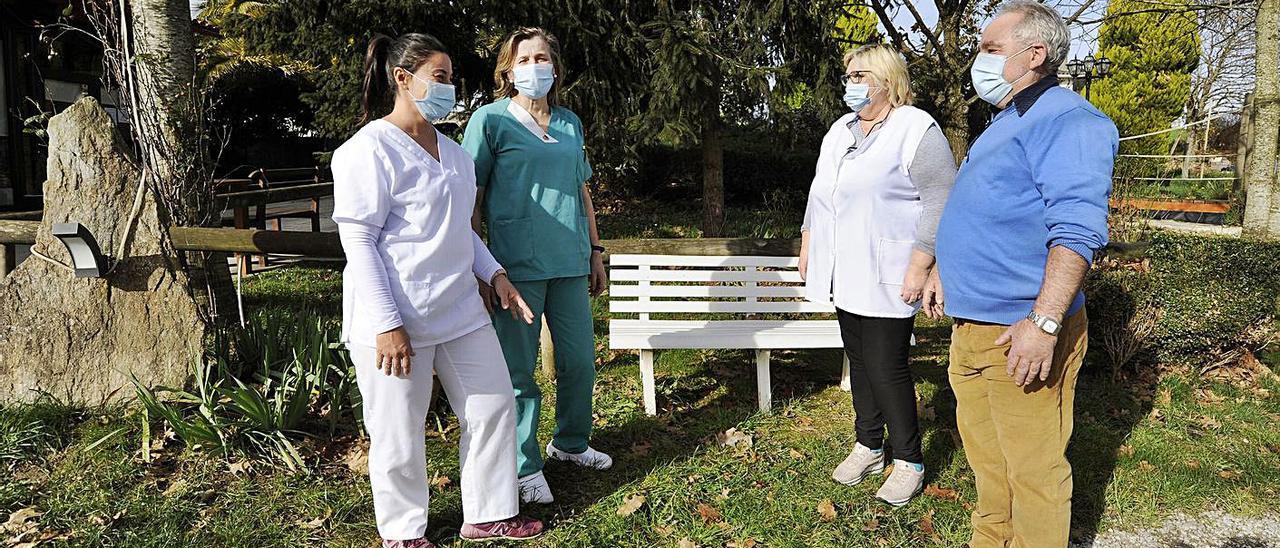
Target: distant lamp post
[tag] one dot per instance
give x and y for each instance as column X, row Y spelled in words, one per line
column 86, row 258
column 1087, row 71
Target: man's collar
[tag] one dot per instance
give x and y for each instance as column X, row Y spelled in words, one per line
column 1027, row 97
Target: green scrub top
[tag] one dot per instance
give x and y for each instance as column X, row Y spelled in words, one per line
column 532, row 192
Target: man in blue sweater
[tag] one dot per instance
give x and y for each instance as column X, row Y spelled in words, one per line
column 1024, row 220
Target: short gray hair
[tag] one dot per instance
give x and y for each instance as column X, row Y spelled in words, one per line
column 1041, row 24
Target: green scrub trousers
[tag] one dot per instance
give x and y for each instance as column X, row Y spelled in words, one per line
column 568, row 309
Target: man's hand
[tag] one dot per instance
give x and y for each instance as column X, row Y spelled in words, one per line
column 932, row 296
column 599, row 280
column 393, row 350
column 1030, row 352
column 511, row 300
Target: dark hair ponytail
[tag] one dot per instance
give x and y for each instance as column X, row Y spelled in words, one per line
column 384, row 55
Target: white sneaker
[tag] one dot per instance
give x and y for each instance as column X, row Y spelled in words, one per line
column 860, row 463
column 534, row 488
column 904, row 483
column 588, row 459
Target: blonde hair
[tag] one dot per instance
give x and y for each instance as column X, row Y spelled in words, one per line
column 507, row 61
column 888, row 68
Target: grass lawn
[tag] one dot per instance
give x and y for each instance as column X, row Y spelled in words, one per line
column 1148, row 446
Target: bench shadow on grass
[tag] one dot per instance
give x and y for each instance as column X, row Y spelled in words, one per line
column 716, row 395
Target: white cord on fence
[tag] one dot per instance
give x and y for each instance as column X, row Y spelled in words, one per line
column 1183, row 126
column 239, row 293
column 1176, row 156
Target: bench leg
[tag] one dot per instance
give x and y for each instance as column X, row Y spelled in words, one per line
column 647, row 380
column 845, row 384
column 762, row 381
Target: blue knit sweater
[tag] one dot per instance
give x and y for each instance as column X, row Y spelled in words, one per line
column 1038, row 177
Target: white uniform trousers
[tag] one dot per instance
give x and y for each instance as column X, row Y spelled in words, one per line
column 475, row 379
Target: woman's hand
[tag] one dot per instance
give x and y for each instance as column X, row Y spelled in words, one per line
column 913, row 284
column 486, row 294
column 510, row 299
column 393, row 351
column 804, row 255
column 599, row 277
column 933, row 299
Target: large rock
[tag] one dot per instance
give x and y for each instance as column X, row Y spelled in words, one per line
column 79, row 339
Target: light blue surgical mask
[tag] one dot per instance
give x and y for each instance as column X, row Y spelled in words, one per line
column 534, row 80
column 438, row 101
column 988, row 76
column 857, row 96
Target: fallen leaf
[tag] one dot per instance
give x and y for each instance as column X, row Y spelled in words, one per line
column 176, row 488
column 1146, row 466
column 631, row 504
column 941, row 492
column 1206, row 395
column 827, row 510
column 1125, row 450
column 641, row 448
column 1193, row 464
column 18, row 520
column 871, row 525
column 314, row 524
column 686, row 543
column 926, row 523
column 734, row 438
column 665, row 530
column 441, row 482
column 709, row 513
column 1156, row 414
column 357, row 458
column 1209, row 422
column 795, row 455
column 1229, row 474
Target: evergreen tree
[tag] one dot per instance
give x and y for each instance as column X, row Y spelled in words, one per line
column 1154, row 54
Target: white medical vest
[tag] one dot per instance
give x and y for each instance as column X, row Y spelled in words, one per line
column 863, row 210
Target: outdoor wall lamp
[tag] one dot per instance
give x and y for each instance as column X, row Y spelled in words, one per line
column 86, row 258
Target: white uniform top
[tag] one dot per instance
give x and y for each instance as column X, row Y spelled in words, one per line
column 863, row 210
column 405, row 223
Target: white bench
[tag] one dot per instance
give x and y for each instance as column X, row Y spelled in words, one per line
column 701, row 285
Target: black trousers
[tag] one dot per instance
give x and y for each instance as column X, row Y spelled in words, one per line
column 884, row 394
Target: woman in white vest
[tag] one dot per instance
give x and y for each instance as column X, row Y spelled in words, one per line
column 882, row 179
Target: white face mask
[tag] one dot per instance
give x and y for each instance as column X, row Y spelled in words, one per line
column 858, row 96
column 534, row 80
column 988, row 76
column 437, row 102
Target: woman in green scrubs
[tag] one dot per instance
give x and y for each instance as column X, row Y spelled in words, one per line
column 531, row 169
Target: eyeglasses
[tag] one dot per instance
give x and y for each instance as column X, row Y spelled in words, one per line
column 857, row 77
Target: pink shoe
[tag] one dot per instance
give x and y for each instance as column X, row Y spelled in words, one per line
column 516, row 528
column 415, row 543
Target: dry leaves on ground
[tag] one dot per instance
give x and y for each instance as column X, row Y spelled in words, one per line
column 827, row 510
column 709, row 513
column 941, row 492
column 734, row 438
column 631, row 504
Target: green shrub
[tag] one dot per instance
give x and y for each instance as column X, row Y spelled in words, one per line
column 1213, row 292
column 275, row 378
column 1123, row 315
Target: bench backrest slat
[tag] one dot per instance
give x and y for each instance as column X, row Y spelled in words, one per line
column 705, row 284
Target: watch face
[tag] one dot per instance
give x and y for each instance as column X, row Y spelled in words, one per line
column 1051, row 326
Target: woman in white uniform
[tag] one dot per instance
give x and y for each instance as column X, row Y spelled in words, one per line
column 882, row 180
column 403, row 196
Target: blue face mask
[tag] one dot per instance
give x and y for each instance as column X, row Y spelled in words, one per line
column 988, row 76
column 857, row 96
column 534, row 80
column 438, row 102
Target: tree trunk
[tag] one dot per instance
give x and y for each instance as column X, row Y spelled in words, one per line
column 712, row 179
column 1243, row 142
column 1262, row 214
column 167, row 111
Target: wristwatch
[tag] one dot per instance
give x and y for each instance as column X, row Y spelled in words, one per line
column 1045, row 323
